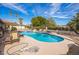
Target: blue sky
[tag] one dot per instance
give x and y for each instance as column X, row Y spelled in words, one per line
column 62, row 13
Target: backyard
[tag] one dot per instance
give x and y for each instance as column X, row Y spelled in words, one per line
column 38, row 32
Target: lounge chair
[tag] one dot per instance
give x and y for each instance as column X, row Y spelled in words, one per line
column 34, row 30
column 45, row 30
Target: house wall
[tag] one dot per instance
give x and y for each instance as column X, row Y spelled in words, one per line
column 20, row 27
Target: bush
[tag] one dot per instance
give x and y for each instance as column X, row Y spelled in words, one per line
column 13, row 29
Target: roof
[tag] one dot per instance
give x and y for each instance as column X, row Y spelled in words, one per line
column 8, row 22
column 1, row 21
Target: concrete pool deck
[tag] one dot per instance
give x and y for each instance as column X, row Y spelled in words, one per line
column 45, row 48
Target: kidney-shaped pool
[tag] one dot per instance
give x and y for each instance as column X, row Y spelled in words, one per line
column 44, row 37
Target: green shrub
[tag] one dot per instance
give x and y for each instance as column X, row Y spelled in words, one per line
column 13, row 29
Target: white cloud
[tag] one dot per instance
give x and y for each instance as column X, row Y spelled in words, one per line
column 55, row 7
column 75, row 7
column 68, row 6
column 14, row 7
column 59, row 16
column 55, row 11
column 72, row 7
column 34, row 12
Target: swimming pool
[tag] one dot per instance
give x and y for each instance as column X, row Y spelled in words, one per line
column 44, row 37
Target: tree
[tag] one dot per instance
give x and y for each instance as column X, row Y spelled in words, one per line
column 51, row 23
column 13, row 29
column 74, row 23
column 77, row 27
column 20, row 21
column 16, row 14
column 71, row 24
column 10, row 12
column 39, row 22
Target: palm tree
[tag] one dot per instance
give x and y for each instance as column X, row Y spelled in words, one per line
column 71, row 24
column 21, row 22
column 10, row 12
column 16, row 14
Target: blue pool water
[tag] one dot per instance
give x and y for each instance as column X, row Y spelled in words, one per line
column 44, row 37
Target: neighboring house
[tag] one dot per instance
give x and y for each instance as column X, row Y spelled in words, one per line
column 20, row 27
column 8, row 25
